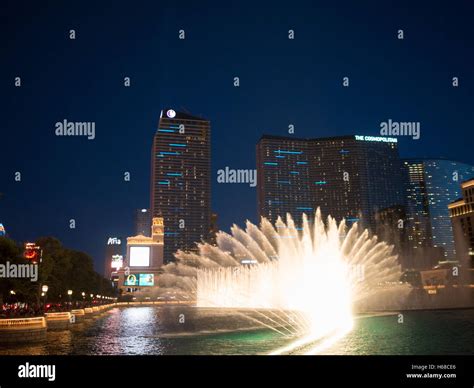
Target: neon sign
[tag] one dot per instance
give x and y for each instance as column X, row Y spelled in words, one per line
column 379, row 139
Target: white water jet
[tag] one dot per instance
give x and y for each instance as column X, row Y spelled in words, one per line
column 302, row 281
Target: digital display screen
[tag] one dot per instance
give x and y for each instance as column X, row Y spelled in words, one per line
column 131, row 280
column 32, row 252
column 139, row 256
column 117, row 262
column 139, row 279
column 146, row 279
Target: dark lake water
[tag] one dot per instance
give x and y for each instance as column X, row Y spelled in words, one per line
column 186, row 330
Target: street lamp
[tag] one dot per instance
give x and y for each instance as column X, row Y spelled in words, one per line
column 69, row 293
column 44, row 289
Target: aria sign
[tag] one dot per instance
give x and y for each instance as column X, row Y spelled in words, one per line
column 114, row 241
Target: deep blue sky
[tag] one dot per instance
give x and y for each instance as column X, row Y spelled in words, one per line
column 282, row 82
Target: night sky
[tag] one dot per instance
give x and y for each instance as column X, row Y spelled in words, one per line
column 282, row 82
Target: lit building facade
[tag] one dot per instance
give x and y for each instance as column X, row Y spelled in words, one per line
column 461, row 213
column 432, row 185
column 349, row 177
column 181, row 180
column 143, row 261
column 114, row 256
column 142, row 222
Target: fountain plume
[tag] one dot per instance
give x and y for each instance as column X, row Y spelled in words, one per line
column 316, row 273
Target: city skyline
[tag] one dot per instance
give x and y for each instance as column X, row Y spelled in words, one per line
column 240, row 178
column 81, row 179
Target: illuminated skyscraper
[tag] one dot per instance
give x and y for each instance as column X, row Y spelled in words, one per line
column 432, row 185
column 349, row 177
column 181, row 179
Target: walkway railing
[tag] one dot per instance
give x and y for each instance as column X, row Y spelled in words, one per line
column 22, row 323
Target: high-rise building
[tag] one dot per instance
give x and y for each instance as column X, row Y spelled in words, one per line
column 349, row 177
column 461, row 212
column 214, row 228
column 432, row 185
column 181, row 179
column 390, row 227
column 142, row 222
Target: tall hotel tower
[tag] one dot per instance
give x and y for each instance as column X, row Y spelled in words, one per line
column 432, row 185
column 351, row 177
column 181, row 180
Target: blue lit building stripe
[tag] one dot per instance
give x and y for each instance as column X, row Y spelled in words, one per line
column 301, row 162
column 280, row 156
column 177, row 145
column 174, row 174
column 294, row 172
column 304, row 208
column 271, row 163
column 163, row 182
column 284, row 182
column 166, row 130
column 288, row 152
column 169, row 153
column 320, row 182
column 352, row 219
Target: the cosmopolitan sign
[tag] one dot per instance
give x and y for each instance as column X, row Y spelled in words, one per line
column 114, row 241
column 379, row 139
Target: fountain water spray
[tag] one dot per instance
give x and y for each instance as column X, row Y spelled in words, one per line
column 300, row 282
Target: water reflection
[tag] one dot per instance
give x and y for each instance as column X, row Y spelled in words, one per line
column 187, row 330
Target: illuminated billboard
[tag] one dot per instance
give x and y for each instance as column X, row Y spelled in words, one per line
column 139, row 256
column 131, row 280
column 139, row 279
column 2, row 230
column 146, row 279
column 32, row 252
column 117, row 262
